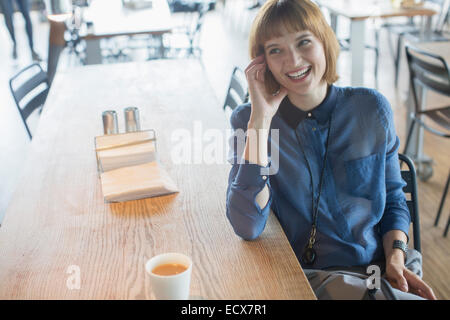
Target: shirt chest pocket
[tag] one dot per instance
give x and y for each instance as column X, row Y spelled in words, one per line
column 365, row 176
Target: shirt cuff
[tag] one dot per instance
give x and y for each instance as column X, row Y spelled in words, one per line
column 395, row 224
column 250, row 175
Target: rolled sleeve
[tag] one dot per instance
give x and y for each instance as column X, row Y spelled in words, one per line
column 245, row 182
column 396, row 214
column 247, row 218
column 249, row 175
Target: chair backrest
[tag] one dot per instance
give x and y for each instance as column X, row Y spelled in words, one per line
column 409, row 176
column 237, row 93
column 29, row 88
column 428, row 70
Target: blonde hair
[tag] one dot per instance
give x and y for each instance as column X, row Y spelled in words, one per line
column 294, row 16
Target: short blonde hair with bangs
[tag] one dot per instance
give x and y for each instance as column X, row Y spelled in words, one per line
column 294, row 16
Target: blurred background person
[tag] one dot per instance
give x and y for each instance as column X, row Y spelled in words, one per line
column 8, row 11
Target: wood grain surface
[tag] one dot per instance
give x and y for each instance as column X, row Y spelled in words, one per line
column 58, row 218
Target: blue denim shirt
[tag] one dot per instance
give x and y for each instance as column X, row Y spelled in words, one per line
column 362, row 195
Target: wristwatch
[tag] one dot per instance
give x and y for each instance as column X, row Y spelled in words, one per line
column 399, row 244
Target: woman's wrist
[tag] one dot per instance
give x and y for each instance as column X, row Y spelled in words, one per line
column 256, row 149
column 259, row 122
column 395, row 256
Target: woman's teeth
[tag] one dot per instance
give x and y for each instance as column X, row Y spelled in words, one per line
column 298, row 74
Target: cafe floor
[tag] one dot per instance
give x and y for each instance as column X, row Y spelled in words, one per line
column 224, row 42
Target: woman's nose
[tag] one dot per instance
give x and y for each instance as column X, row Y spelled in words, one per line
column 294, row 58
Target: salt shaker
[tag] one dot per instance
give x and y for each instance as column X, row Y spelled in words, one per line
column 110, row 125
column 132, row 122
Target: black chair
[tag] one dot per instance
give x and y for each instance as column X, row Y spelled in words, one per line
column 441, row 206
column 237, row 93
column 409, row 176
column 431, row 72
column 29, row 88
column 413, row 33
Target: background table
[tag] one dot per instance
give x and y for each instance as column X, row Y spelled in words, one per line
column 358, row 12
column 58, row 219
column 111, row 19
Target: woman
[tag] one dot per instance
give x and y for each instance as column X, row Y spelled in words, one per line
column 337, row 191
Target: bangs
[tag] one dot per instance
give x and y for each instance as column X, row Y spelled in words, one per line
column 279, row 19
column 284, row 16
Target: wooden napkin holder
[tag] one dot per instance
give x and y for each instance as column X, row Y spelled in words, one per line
column 128, row 167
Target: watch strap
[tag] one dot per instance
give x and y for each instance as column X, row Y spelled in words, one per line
column 399, row 244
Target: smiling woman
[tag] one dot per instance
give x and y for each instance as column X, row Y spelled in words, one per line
column 297, row 63
column 338, row 189
column 273, row 23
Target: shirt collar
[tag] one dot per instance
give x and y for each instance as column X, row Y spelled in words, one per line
column 293, row 115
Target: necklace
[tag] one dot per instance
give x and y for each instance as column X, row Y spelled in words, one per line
column 309, row 254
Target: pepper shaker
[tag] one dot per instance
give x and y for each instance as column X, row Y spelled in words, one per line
column 132, row 121
column 110, row 125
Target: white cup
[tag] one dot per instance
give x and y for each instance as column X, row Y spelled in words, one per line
column 173, row 287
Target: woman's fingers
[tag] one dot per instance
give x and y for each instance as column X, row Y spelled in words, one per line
column 253, row 71
column 254, row 66
column 397, row 280
column 257, row 60
column 261, row 72
column 418, row 286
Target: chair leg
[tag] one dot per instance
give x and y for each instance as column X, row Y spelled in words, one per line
column 408, row 139
column 441, row 205
column 391, row 46
column 377, row 56
column 397, row 58
column 446, row 228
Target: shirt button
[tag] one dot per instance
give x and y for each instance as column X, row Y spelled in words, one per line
column 309, row 115
column 264, row 177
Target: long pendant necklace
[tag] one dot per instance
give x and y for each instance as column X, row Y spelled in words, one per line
column 309, row 254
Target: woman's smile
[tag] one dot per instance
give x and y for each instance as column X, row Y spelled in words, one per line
column 300, row 74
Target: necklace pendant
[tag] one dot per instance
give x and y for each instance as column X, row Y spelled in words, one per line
column 309, row 256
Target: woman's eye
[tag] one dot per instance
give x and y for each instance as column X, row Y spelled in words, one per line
column 274, row 51
column 303, row 42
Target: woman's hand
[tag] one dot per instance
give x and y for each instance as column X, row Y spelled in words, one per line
column 264, row 104
column 405, row 280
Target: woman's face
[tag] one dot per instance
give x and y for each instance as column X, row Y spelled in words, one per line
column 297, row 61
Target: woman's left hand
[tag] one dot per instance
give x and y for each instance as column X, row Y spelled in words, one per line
column 405, row 280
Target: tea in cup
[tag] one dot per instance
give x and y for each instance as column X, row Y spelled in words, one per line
column 170, row 276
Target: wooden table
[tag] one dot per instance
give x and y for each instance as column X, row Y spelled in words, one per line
column 111, row 19
column 358, row 12
column 57, row 221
